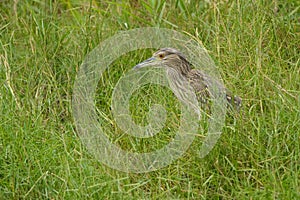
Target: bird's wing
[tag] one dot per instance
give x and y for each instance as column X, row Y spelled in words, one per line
column 203, row 84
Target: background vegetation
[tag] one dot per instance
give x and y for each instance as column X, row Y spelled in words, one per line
column 254, row 43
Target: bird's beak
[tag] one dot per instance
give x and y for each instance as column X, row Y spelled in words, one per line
column 145, row 63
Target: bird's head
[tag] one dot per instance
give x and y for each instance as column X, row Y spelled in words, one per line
column 168, row 57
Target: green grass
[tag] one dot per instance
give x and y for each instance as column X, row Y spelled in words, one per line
column 256, row 47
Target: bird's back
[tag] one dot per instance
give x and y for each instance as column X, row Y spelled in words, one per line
column 203, row 84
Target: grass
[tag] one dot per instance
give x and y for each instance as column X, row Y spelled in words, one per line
column 254, row 43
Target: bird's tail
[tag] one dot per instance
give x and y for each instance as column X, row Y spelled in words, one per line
column 234, row 101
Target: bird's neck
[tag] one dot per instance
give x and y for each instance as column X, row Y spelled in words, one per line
column 182, row 67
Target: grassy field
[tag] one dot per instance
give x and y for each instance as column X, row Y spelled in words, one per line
column 256, row 47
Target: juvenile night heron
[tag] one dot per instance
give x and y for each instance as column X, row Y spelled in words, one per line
column 200, row 82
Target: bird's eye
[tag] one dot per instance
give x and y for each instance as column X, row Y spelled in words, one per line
column 161, row 56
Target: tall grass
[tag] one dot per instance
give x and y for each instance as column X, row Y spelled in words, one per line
column 256, row 47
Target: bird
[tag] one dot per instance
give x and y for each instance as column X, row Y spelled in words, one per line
column 180, row 70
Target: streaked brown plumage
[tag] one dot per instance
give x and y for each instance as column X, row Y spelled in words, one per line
column 200, row 81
